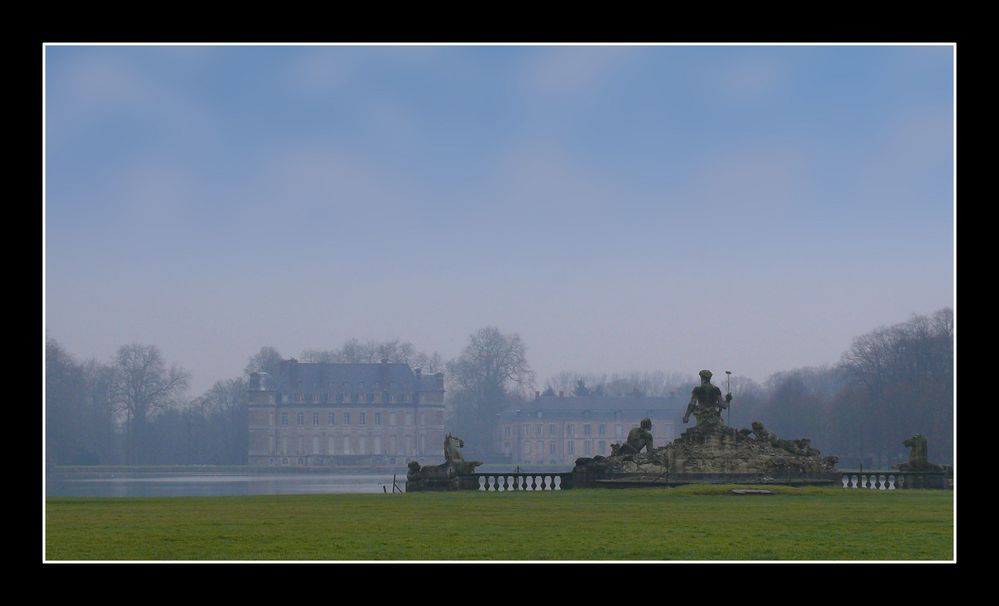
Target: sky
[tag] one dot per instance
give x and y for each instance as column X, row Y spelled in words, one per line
column 746, row 208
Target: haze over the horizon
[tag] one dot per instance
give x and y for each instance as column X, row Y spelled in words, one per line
column 620, row 208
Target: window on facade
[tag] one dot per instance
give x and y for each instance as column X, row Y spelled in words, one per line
column 385, row 396
column 570, row 429
column 537, row 430
column 353, row 397
column 601, row 429
column 378, row 418
column 506, row 431
column 364, row 417
column 587, row 447
column 315, row 418
column 570, row 447
column 404, row 396
column 551, row 429
column 551, row 448
column 315, row 444
column 371, row 397
column 392, row 418
column 301, row 418
column 339, row 397
column 586, row 429
column 346, row 418
column 332, row 419
column 284, row 418
column 601, row 447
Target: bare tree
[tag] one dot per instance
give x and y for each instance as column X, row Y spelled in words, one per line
column 490, row 371
column 142, row 386
column 268, row 360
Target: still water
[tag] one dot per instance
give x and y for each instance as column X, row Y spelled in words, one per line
column 187, row 485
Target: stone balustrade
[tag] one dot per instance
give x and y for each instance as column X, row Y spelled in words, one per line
column 894, row 479
column 500, row 482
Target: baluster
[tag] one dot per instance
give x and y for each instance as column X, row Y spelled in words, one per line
column 557, row 483
column 846, row 481
column 881, row 483
column 891, row 482
column 853, row 482
column 539, row 483
column 863, row 481
column 874, row 482
column 482, row 484
column 548, row 483
column 512, row 483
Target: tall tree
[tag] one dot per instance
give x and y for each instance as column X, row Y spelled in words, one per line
column 141, row 387
column 482, row 380
column 268, row 360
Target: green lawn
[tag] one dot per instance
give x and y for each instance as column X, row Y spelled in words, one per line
column 687, row 523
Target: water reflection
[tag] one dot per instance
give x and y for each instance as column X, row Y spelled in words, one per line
column 177, row 485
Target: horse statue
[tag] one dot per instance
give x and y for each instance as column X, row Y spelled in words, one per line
column 444, row 476
column 918, row 460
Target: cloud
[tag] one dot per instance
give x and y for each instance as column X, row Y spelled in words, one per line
column 746, row 79
column 572, row 70
column 93, row 87
column 320, row 70
column 749, row 183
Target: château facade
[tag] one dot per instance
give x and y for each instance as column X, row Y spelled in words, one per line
column 557, row 430
column 345, row 415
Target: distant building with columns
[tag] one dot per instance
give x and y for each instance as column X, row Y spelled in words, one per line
column 345, row 415
column 558, row 429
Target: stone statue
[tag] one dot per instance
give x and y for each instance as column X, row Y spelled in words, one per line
column 706, row 402
column 638, row 438
column 445, row 476
column 454, row 458
column 917, row 452
column 918, row 460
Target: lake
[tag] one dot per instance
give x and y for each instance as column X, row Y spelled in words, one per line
column 213, row 485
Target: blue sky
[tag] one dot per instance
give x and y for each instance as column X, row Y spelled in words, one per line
column 638, row 207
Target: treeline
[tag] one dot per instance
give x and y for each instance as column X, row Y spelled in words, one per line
column 134, row 409
column 892, row 383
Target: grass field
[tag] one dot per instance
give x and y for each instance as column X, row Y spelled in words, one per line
column 686, row 523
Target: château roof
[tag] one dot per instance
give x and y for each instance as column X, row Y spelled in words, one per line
column 323, row 377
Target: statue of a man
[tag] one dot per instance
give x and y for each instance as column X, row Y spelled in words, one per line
column 706, row 402
column 638, row 438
